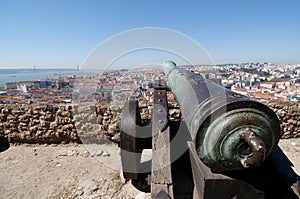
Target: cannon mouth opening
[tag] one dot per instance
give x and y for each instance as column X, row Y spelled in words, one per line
column 243, row 150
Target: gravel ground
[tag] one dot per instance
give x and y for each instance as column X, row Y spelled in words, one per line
column 62, row 171
column 291, row 148
column 74, row 171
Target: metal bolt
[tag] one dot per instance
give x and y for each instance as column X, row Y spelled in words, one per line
column 160, row 110
column 160, row 121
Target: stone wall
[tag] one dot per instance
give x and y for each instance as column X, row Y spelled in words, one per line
column 66, row 123
column 288, row 114
column 37, row 124
column 59, row 123
column 97, row 123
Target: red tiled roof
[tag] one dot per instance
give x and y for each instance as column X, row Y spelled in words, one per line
column 240, row 89
column 264, row 95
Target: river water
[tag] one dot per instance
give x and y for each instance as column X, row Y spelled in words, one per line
column 15, row 75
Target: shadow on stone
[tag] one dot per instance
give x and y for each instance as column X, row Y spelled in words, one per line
column 4, row 144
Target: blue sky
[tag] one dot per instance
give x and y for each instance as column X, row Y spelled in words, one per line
column 61, row 33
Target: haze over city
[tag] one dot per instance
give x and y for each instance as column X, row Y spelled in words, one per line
column 61, row 34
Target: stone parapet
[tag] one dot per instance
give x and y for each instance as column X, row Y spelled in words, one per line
column 288, row 114
column 64, row 123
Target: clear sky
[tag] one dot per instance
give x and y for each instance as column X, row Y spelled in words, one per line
column 61, row 33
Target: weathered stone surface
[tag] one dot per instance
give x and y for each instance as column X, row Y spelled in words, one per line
column 67, row 123
column 36, row 124
column 288, row 114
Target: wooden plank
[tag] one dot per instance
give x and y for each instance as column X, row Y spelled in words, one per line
column 161, row 176
column 206, row 182
column 161, row 165
column 198, row 174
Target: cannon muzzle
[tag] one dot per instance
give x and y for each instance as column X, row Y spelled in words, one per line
column 230, row 131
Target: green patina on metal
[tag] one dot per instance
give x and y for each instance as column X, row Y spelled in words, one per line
column 230, row 131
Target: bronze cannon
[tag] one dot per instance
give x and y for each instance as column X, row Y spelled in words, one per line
column 224, row 146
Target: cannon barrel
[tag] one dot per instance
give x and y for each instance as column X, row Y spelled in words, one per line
column 230, row 131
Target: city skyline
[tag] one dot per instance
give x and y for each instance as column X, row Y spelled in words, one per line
column 60, row 34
